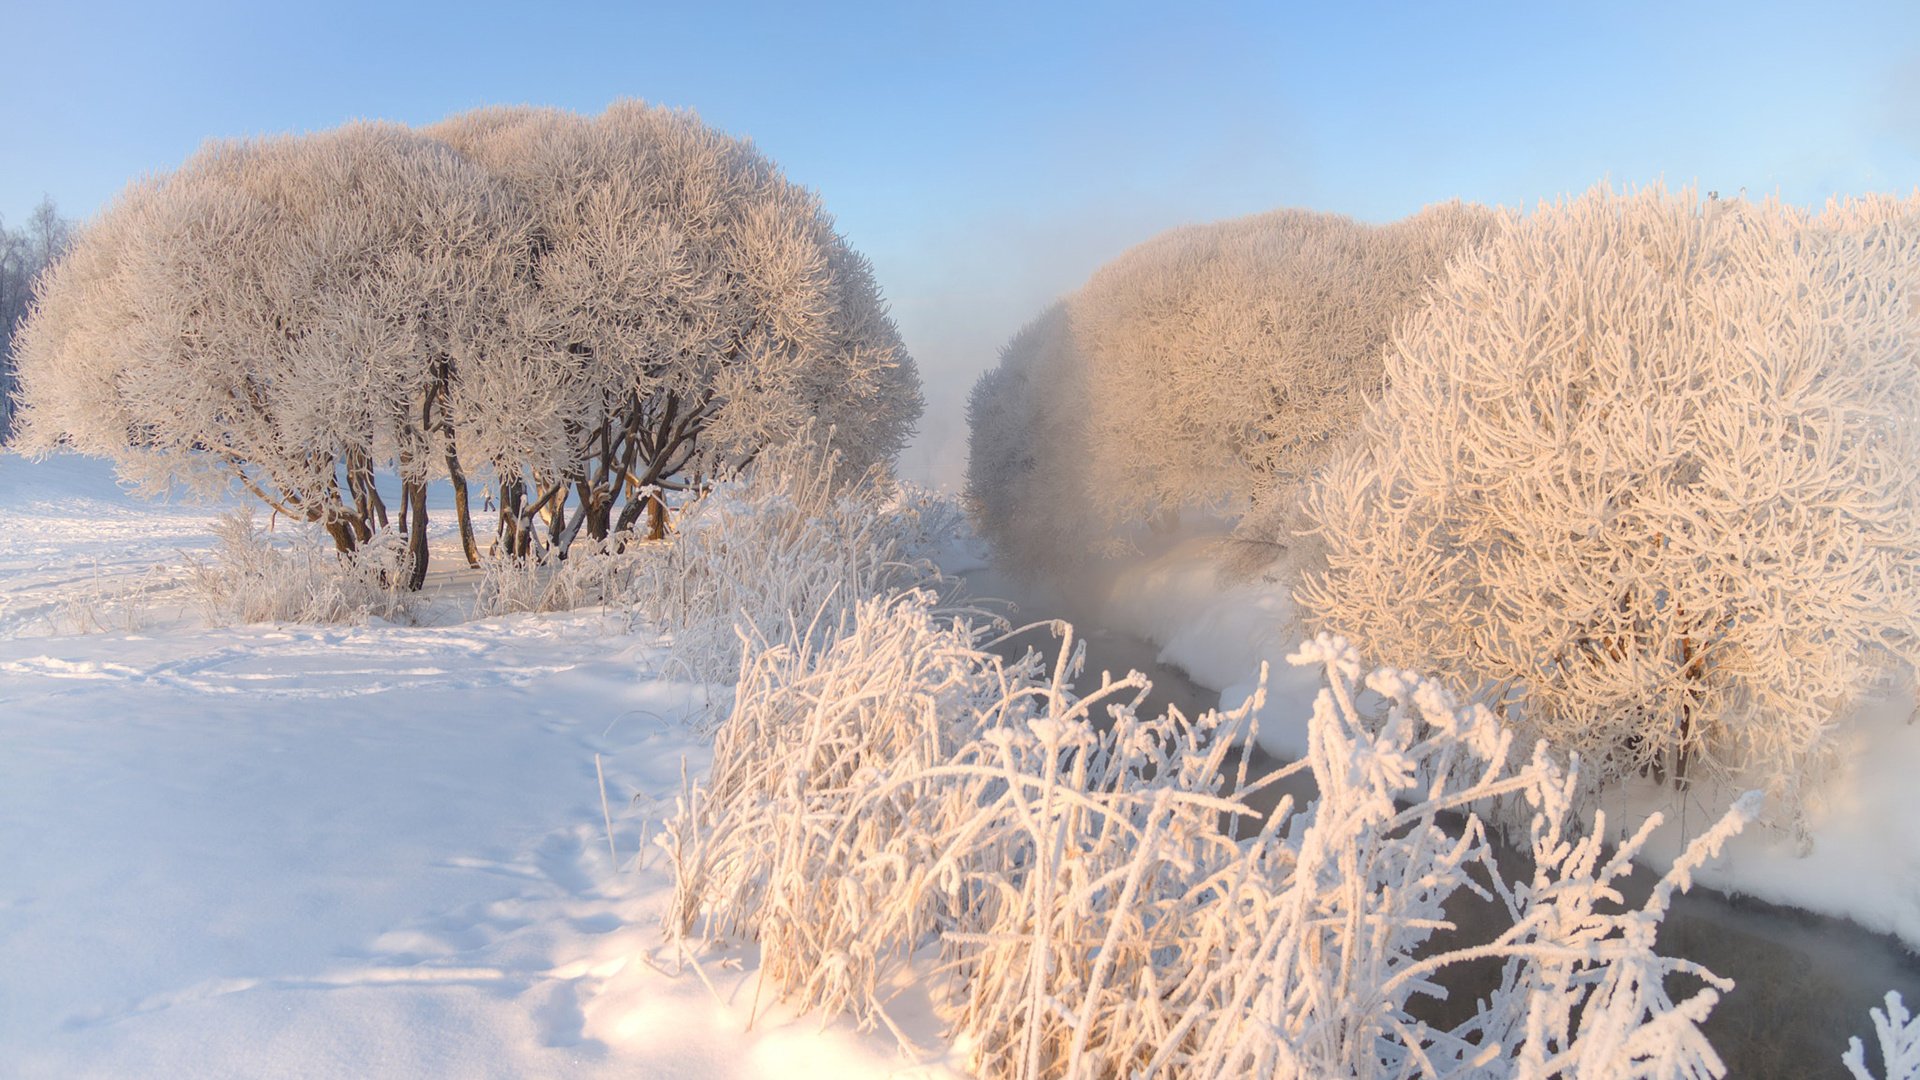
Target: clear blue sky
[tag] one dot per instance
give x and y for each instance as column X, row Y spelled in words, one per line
column 989, row 156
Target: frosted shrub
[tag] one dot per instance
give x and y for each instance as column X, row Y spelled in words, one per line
column 926, row 520
column 902, row 788
column 1898, row 1033
column 594, row 573
column 252, row 579
column 1648, row 465
column 783, row 552
column 765, row 848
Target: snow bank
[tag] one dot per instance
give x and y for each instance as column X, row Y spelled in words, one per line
column 1858, row 857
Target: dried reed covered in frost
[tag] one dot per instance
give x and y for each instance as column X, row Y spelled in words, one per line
column 901, row 789
column 763, row 558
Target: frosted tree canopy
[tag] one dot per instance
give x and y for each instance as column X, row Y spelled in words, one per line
column 1647, row 466
column 587, row 311
column 1213, row 366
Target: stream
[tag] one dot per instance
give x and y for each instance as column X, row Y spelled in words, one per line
column 1804, row 982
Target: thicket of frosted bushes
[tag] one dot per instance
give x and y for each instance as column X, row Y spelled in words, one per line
column 784, row 554
column 781, row 551
column 250, row 577
column 1641, row 470
column 897, row 788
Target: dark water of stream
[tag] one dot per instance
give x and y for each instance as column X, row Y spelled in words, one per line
column 1804, row 983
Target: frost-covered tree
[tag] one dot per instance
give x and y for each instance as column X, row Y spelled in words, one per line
column 1215, row 365
column 279, row 315
column 1647, row 466
column 1027, row 488
column 588, row 309
column 24, row 253
column 688, row 305
column 1237, row 352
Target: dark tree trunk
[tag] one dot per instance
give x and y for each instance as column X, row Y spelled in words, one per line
column 512, row 494
column 414, row 496
column 443, row 375
column 630, row 513
column 461, row 509
column 656, row 516
column 556, row 513
column 342, row 536
column 599, row 511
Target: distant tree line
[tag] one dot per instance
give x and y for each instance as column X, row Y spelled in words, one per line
column 24, row 252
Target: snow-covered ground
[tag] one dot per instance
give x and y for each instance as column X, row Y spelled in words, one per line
column 369, row 851
column 1859, row 858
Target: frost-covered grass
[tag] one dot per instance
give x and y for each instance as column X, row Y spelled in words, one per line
column 595, row 573
column 902, row 793
column 250, row 578
column 784, row 554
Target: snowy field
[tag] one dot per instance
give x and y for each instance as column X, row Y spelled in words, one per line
column 382, row 850
column 369, row 851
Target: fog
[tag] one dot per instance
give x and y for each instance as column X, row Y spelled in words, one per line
column 969, row 285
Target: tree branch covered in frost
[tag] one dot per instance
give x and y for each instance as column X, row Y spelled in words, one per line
column 1899, row 1037
column 1207, row 367
column 900, row 788
column 1649, row 465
